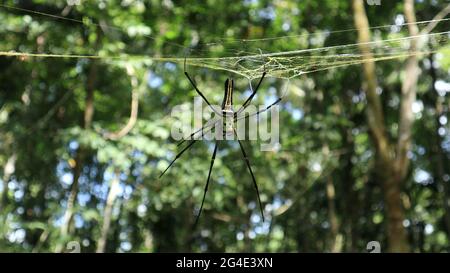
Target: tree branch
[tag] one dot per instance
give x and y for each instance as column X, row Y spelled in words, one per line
column 374, row 109
column 441, row 15
column 134, row 109
column 409, row 90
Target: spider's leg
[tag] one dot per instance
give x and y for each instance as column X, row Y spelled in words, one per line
column 247, row 161
column 200, row 130
column 260, row 111
column 178, row 156
column 189, row 145
column 207, row 183
column 249, row 99
column 200, row 93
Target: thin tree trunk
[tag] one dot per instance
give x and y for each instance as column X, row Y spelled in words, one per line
column 107, row 215
column 79, row 158
column 398, row 240
column 439, row 157
column 388, row 172
column 148, row 241
column 375, row 114
column 336, row 238
column 409, row 90
column 335, row 244
column 8, row 170
column 352, row 203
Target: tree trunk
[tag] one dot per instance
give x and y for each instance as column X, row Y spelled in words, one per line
column 79, row 158
column 375, row 114
column 112, row 195
column 391, row 170
column 336, row 238
column 350, row 195
column 439, row 154
column 409, row 90
column 8, row 170
column 397, row 238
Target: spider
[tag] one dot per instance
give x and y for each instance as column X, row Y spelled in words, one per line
column 228, row 127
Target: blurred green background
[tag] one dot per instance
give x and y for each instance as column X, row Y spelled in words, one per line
column 77, row 167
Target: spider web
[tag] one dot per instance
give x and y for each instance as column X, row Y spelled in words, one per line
column 251, row 57
column 291, row 64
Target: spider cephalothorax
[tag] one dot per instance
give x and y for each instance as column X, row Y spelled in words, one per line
column 227, row 109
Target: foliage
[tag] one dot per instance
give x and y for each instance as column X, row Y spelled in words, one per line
column 324, row 134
